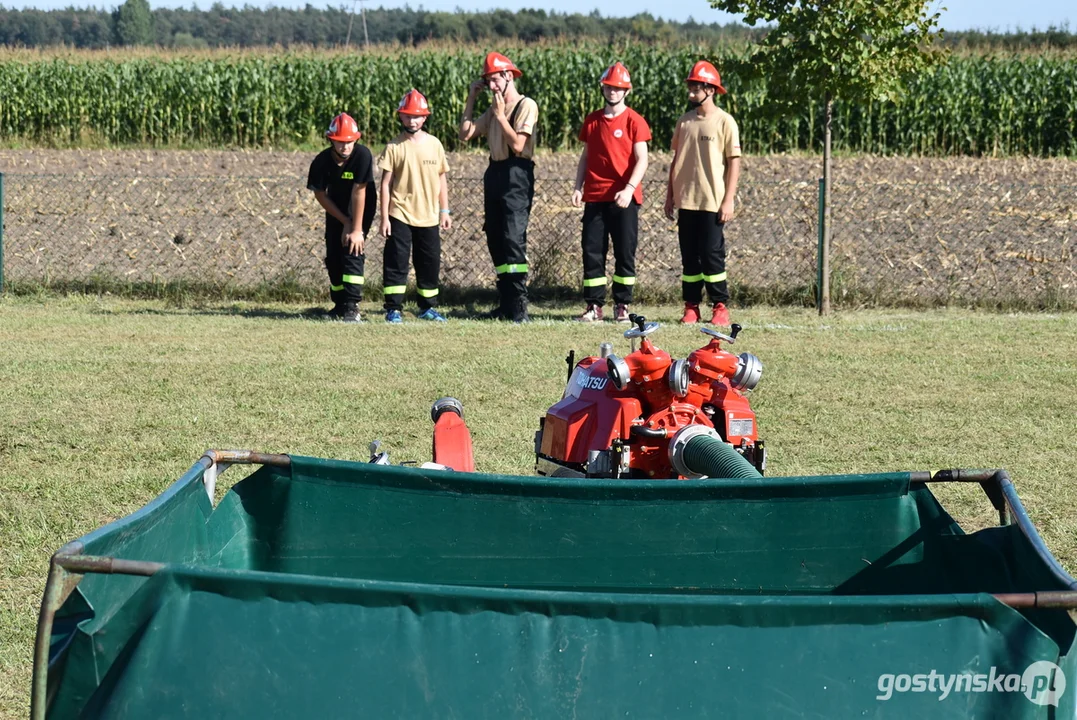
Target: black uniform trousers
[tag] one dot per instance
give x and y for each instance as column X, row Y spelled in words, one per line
column 508, row 191
column 345, row 272
column 702, row 243
column 425, row 243
column 601, row 222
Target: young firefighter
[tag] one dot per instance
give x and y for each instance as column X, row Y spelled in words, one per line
column 702, row 183
column 342, row 178
column 509, row 181
column 612, row 164
column 414, row 193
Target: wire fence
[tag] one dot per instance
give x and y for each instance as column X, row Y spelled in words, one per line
column 892, row 242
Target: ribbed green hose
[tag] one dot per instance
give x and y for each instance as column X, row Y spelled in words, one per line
column 716, row 459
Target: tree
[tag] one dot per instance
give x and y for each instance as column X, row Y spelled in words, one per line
column 855, row 50
column 133, row 23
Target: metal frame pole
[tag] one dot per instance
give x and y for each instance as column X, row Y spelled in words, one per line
column 1, row 233
column 824, row 307
column 819, row 254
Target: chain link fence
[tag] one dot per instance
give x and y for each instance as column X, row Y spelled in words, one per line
column 1006, row 245
column 892, row 242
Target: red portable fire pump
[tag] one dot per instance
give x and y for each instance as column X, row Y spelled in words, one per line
column 634, row 416
column 641, row 416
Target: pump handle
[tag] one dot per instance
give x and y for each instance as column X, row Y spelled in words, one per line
column 642, row 329
column 721, row 336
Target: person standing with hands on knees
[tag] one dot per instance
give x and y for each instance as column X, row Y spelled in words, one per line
column 608, row 177
column 509, row 181
column 702, row 184
column 342, row 178
column 414, row 203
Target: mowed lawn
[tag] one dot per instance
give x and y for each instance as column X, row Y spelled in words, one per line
column 103, row 402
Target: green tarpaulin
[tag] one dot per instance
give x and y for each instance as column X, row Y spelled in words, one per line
column 334, row 589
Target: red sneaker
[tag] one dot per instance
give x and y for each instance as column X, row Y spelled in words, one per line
column 621, row 313
column 592, row 314
column 720, row 316
column 691, row 314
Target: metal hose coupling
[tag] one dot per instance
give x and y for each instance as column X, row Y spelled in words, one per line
column 749, row 370
column 680, row 442
column 446, row 403
column 678, row 378
column 698, row 451
column 617, row 371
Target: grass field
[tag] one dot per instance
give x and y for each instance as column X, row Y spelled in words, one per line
column 106, row 401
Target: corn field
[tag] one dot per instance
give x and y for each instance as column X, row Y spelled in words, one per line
column 1022, row 105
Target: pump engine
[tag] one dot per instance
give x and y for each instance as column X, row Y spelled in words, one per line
column 635, row 416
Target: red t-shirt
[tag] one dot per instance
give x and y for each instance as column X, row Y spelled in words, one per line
column 609, row 153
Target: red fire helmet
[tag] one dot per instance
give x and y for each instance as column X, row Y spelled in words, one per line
column 413, row 103
column 617, row 76
column 343, row 129
column 496, row 62
column 704, row 72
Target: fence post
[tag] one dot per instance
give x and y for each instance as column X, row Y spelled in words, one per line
column 819, row 264
column 1, row 233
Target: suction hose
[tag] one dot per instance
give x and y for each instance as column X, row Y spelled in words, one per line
column 697, row 451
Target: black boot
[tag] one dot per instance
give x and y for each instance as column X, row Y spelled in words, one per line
column 503, row 311
column 519, row 310
column 351, row 313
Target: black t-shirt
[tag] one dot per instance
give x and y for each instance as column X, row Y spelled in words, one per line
column 337, row 181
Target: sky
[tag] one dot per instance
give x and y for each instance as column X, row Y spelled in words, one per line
column 998, row 15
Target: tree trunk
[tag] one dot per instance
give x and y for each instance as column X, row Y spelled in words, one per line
column 824, row 290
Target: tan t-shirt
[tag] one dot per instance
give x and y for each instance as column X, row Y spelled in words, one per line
column 525, row 123
column 417, row 169
column 702, row 146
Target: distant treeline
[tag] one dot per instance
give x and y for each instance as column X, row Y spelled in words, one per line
column 256, row 27
column 134, row 23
